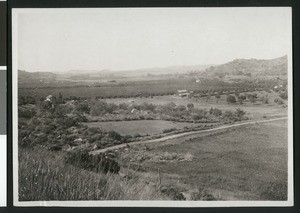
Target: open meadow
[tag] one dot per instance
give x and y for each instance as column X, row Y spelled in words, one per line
column 243, row 163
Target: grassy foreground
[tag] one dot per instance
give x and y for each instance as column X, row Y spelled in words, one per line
column 44, row 176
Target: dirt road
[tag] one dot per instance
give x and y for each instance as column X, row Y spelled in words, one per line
column 184, row 134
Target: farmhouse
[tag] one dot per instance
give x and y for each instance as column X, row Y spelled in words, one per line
column 183, row 93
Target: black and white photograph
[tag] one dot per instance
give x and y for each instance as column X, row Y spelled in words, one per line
column 160, row 107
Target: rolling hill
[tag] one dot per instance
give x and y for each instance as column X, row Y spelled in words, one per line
column 238, row 67
column 272, row 67
column 31, row 77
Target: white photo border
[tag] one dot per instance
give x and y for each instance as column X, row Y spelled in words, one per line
column 130, row 203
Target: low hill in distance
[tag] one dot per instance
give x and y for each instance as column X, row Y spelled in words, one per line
column 28, row 77
column 254, row 67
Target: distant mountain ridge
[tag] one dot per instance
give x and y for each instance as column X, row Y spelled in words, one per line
column 139, row 72
column 255, row 67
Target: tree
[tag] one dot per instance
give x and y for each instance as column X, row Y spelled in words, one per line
column 114, row 135
column 241, row 98
column 240, row 113
column 208, row 97
column 283, row 95
column 231, row 99
column 123, row 106
column 190, row 106
column 83, row 106
column 148, row 106
column 252, row 97
column 264, row 99
column 181, row 108
column 278, row 101
column 215, row 111
column 237, row 94
column 46, row 105
column 218, row 96
column 60, row 99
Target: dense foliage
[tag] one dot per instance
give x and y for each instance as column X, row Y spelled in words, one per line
column 59, row 124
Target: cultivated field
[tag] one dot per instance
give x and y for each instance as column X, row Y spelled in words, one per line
column 142, row 127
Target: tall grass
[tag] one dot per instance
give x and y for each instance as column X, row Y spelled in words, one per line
column 44, row 176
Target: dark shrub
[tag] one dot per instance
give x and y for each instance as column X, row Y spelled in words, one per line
column 114, row 135
column 26, row 100
column 169, row 130
column 240, row 113
column 55, row 148
column 231, row 99
column 278, row 101
column 241, row 98
column 229, row 115
column 203, row 195
column 46, row 105
column 97, row 163
column 83, row 106
column 26, row 113
column 215, row 111
column 283, row 95
column 252, row 97
column 172, row 192
column 190, row 106
column 137, row 135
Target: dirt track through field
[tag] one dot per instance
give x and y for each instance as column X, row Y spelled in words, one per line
column 184, row 134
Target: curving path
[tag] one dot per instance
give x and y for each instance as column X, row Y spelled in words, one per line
column 169, row 137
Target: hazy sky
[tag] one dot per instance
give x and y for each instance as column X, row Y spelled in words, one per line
column 120, row 39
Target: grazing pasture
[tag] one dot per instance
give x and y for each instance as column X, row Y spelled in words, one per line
column 243, row 163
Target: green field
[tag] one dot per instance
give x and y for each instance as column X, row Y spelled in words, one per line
column 243, row 163
column 141, row 127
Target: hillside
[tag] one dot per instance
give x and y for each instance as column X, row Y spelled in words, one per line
column 28, row 77
column 272, row 67
column 238, row 67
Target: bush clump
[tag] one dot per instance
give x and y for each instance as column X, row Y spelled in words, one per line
column 231, row 99
column 278, row 101
column 172, row 192
column 169, row 130
column 96, row 163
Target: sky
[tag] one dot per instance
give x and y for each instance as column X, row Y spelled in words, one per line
column 60, row 40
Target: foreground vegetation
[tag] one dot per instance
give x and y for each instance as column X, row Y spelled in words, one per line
column 43, row 175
